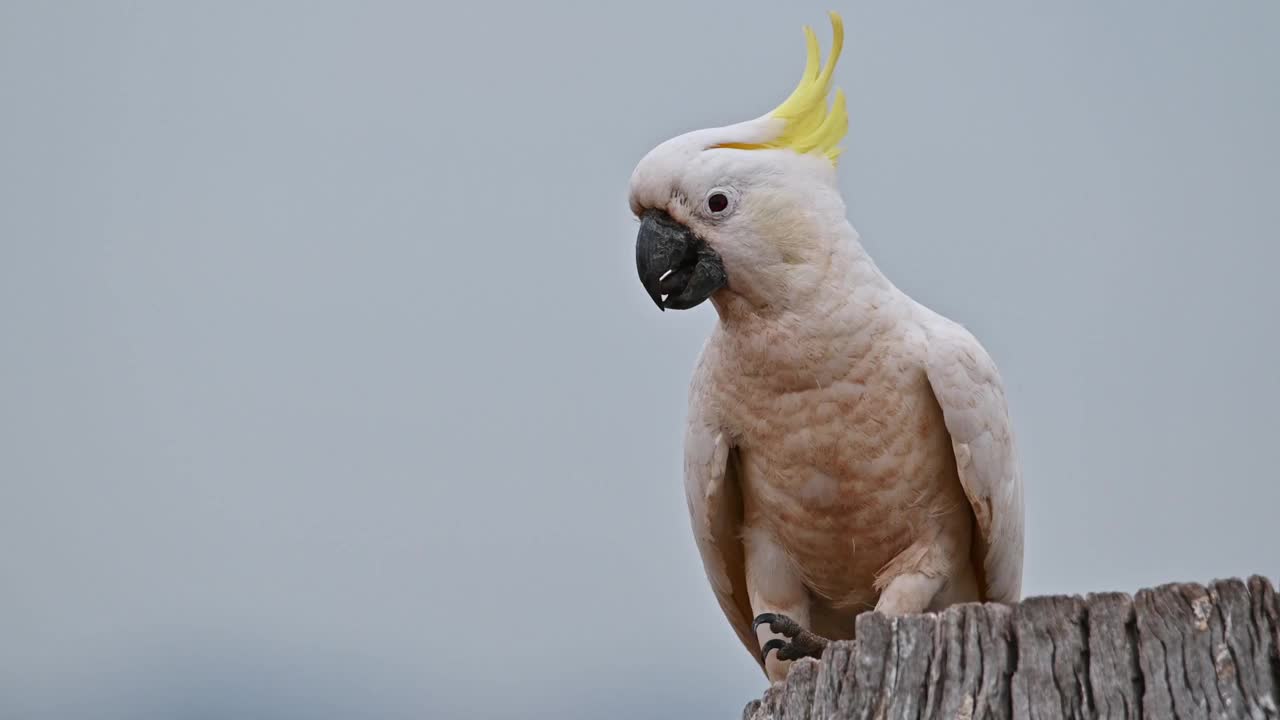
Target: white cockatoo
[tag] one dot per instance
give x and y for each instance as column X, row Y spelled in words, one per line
column 847, row 448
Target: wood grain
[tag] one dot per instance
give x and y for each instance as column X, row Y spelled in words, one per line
column 1176, row 651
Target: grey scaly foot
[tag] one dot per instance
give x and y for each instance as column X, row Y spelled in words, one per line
column 799, row 642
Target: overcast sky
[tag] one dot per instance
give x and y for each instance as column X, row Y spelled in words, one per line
column 328, row 390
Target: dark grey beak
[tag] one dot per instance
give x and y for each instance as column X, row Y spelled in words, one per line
column 675, row 263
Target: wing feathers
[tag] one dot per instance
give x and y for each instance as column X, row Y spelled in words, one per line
column 968, row 388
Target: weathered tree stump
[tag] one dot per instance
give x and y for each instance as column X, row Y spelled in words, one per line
column 1177, row 651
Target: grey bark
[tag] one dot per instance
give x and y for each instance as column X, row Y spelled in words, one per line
column 1176, row 651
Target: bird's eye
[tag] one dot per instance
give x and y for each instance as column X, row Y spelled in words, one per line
column 720, row 202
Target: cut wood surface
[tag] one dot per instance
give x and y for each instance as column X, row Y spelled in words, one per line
column 1176, row 651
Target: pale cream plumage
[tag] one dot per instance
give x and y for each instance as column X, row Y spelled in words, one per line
column 846, row 448
column 860, row 443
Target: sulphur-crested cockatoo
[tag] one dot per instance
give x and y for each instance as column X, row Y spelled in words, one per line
column 847, row 448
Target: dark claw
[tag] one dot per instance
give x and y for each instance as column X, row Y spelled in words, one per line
column 763, row 618
column 780, row 624
column 774, row 644
column 799, row 642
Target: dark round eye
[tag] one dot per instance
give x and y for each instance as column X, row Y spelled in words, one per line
column 717, row 202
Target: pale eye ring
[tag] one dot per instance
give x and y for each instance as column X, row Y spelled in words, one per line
column 720, row 201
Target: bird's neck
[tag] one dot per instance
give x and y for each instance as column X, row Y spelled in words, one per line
column 827, row 321
column 836, row 280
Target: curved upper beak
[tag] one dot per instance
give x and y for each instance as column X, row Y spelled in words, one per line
column 677, row 268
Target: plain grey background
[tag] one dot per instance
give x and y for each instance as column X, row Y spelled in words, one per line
column 327, row 388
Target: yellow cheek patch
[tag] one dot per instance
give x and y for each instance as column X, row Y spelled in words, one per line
column 809, row 125
column 789, row 230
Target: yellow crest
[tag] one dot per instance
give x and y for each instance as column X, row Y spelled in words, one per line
column 810, row 126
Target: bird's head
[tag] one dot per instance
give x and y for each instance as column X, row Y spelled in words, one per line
column 742, row 209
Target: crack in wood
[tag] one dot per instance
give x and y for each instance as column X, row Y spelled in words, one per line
column 1176, row 651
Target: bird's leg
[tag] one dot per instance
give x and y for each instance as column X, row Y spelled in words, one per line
column 909, row 594
column 781, row 602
